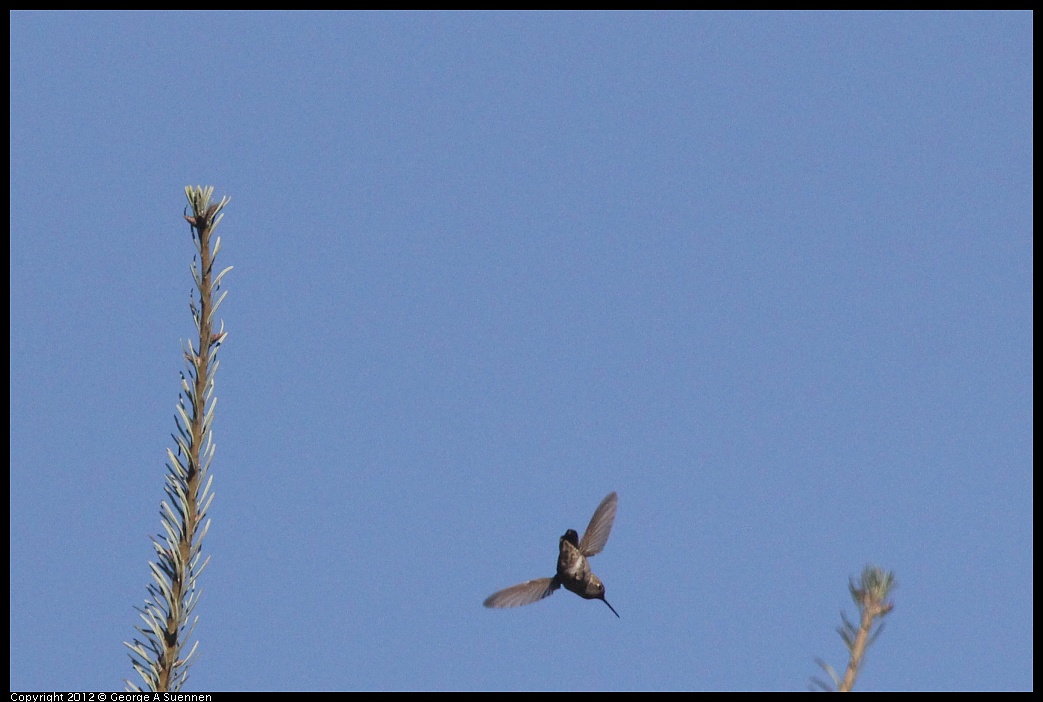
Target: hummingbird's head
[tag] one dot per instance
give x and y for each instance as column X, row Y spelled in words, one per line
column 595, row 590
column 572, row 537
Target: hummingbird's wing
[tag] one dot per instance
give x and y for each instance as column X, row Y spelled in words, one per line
column 526, row 593
column 596, row 535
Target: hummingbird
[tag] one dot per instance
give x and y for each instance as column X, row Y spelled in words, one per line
column 573, row 568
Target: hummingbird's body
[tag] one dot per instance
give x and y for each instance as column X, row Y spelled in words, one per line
column 573, row 567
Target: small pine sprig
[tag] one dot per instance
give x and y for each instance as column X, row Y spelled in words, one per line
column 174, row 591
column 870, row 596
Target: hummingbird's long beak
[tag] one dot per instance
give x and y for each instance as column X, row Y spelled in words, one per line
column 602, row 598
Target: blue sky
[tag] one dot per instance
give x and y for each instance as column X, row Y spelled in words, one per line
column 768, row 276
